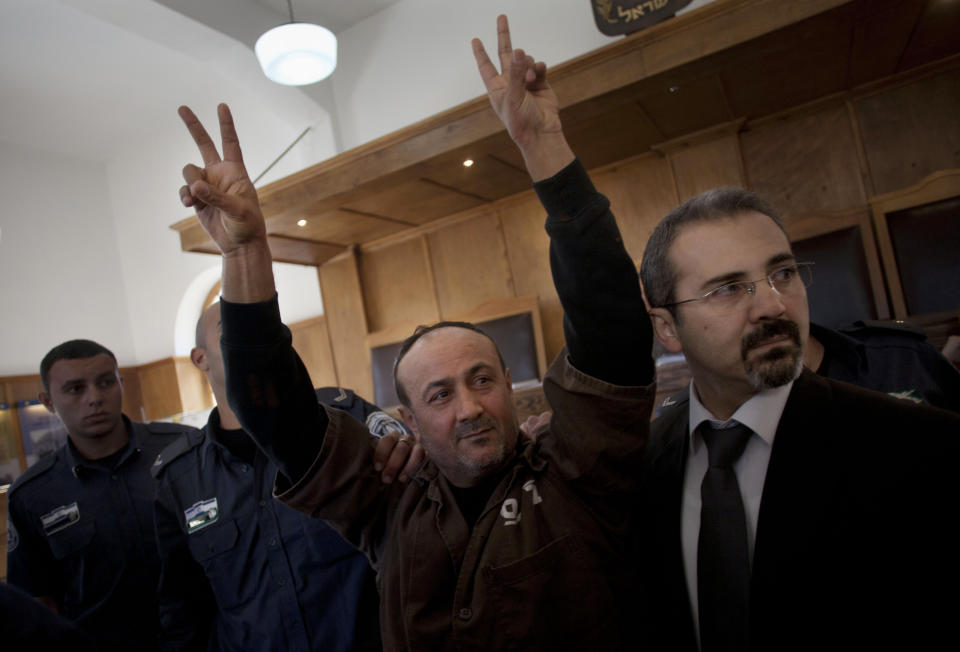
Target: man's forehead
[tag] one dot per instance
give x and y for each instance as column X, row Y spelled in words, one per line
column 70, row 368
column 434, row 350
column 729, row 244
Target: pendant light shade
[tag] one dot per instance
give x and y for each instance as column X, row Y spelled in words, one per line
column 297, row 54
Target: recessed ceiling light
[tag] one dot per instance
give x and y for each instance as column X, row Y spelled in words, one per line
column 301, row 222
column 468, row 163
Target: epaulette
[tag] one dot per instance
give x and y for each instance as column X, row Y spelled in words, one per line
column 189, row 440
column 337, row 397
column 167, row 428
column 36, row 469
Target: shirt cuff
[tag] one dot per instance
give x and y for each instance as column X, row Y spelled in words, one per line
column 567, row 193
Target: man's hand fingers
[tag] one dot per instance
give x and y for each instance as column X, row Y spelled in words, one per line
column 228, row 134
column 417, row 455
column 488, row 72
column 504, row 47
column 385, row 446
column 187, row 199
column 517, row 75
column 399, row 454
column 208, row 151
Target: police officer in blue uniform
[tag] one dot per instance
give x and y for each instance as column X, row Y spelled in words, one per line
column 886, row 356
column 81, row 536
column 241, row 571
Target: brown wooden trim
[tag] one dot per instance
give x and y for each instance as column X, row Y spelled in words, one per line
column 391, row 158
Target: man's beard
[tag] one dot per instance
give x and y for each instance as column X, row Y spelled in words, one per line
column 779, row 365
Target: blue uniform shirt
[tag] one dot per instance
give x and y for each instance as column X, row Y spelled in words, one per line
column 890, row 357
column 82, row 533
column 242, row 571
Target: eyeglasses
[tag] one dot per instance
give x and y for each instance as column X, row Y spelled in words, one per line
column 785, row 281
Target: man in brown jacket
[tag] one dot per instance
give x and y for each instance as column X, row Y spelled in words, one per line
column 498, row 542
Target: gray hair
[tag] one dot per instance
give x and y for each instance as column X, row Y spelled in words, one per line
column 656, row 273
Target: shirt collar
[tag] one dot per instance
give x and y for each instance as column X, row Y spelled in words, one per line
column 761, row 413
column 77, row 461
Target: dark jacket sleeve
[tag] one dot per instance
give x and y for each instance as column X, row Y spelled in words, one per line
column 187, row 606
column 605, row 323
column 269, row 388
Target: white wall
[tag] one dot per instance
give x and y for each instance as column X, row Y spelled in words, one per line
column 60, row 271
column 414, row 59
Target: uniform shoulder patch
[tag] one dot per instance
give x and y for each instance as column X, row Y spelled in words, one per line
column 37, row 469
column 187, row 441
column 671, row 402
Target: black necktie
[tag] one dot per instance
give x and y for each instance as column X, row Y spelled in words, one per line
column 723, row 564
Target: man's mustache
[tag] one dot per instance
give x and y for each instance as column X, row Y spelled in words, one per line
column 768, row 330
column 467, row 428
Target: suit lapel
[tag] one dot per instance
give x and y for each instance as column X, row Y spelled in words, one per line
column 797, row 489
column 666, row 473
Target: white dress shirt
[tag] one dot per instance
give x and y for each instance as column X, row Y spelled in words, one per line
column 761, row 413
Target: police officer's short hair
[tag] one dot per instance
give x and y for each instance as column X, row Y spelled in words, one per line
column 658, row 277
column 70, row 350
column 419, row 332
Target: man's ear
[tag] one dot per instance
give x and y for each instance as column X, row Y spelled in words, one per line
column 407, row 417
column 198, row 356
column 665, row 330
column 506, row 375
column 44, row 397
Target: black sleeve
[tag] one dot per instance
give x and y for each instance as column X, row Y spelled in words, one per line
column 187, row 606
column 607, row 328
column 268, row 387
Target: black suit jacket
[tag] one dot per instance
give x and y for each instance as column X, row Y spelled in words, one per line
column 854, row 543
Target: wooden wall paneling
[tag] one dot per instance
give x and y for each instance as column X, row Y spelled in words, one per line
column 707, row 165
column 911, row 131
column 397, row 284
column 469, row 262
column 311, row 339
column 23, row 388
column 934, row 35
column 417, row 201
column 160, row 388
column 888, row 22
column 804, row 164
column 195, row 392
column 687, row 107
column 9, row 396
column 528, row 246
column 810, row 226
column 343, row 305
column 937, row 186
column 132, row 394
column 641, row 192
column 707, row 159
column 341, row 227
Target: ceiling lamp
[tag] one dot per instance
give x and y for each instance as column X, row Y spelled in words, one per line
column 297, row 54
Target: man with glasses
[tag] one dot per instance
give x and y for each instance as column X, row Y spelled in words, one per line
column 783, row 510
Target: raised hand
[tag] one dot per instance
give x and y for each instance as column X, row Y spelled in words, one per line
column 525, row 103
column 221, row 192
column 227, row 205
